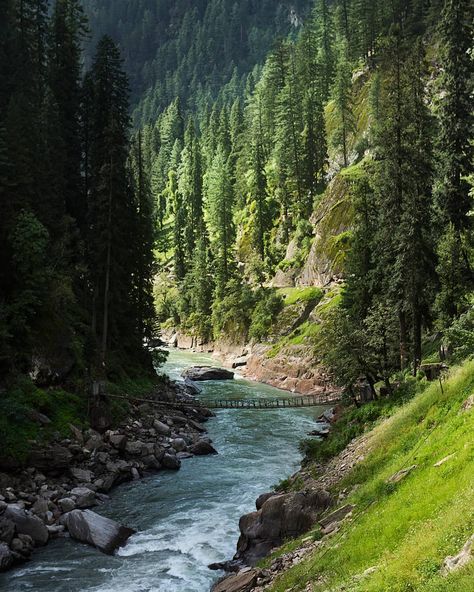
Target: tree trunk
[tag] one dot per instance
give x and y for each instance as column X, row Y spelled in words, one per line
column 403, row 340
column 105, row 318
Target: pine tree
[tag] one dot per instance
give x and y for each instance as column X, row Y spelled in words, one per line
column 220, row 200
column 456, row 151
column 67, row 31
column 403, row 187
column 190, row 187
column 109, row 199
column 343, row 103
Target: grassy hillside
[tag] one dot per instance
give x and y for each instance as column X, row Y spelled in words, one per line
column 401, row 532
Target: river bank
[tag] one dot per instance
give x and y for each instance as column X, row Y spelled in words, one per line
column 70, row 475
column 293, row 369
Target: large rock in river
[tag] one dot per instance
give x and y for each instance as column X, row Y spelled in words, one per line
column 200, row 373
column 91, row 528
column 280, row 517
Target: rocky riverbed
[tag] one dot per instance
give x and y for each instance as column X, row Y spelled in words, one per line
column 52, row 495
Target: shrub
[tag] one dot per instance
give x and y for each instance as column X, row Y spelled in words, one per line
column 269, row 304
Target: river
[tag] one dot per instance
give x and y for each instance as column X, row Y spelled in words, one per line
column 186, row 519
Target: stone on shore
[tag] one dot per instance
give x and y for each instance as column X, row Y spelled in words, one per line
column 170, row 461
column 191, row 387
column 202, row 448
column 281, row 517
column 201, row 373
column 161, row 428
column 100, row 532
column 6, row 557
column 84, row 497
column 243, row 581
column 28, row 524
column 49, row 459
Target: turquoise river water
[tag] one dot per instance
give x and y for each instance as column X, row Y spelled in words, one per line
column 186, row 519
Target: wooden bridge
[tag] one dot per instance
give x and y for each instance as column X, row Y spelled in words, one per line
column 262, row 403
column 272, row 402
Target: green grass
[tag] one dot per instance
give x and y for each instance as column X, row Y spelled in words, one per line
column 405, row 529
column 17, row 425
column 296, row 295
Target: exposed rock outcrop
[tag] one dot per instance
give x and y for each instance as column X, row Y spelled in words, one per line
column 280, row 517
column 465, row 556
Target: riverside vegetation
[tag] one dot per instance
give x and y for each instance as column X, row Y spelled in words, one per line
column 298, row 182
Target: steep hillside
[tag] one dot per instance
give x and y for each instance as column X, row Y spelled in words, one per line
column 409, row 484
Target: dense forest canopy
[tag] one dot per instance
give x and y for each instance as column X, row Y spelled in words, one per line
column 76, row 226
column 370, row 99
column 250, row 117
column 195, row 51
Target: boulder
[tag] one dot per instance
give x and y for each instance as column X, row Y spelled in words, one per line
column 28, row 524
column 67, row 504
column 151, row 462
column 191, row 387
column 134, row 448
column 6, row 557
column 23, row 545
column 91, row 528
column 118, row 441
column 95, row 442
column 81, row 475
column 196, row 425
column 178, row 444
column 200, row 373
column 243, row 581
column 202, row 448
column 170, row 461
column 84, row 497
column 281, row 517
column 161, row 428
column 7, row 530
column 52, row 458
column 40, row 508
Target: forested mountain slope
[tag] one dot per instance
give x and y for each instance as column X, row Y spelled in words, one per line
column 76, row 226
column 349, row 158
column 195, row 51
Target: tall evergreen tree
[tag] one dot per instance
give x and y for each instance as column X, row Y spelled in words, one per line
column 109, row 199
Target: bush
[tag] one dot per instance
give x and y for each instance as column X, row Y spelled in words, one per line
column 231, row 315
column 269, row 304
column 460, row 336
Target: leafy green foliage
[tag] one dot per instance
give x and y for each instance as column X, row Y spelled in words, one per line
column 269, row 304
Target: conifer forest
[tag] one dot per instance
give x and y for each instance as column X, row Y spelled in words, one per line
column 284, row 188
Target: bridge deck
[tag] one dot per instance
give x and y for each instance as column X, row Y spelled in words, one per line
column 268, row 403
column 271, row 403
